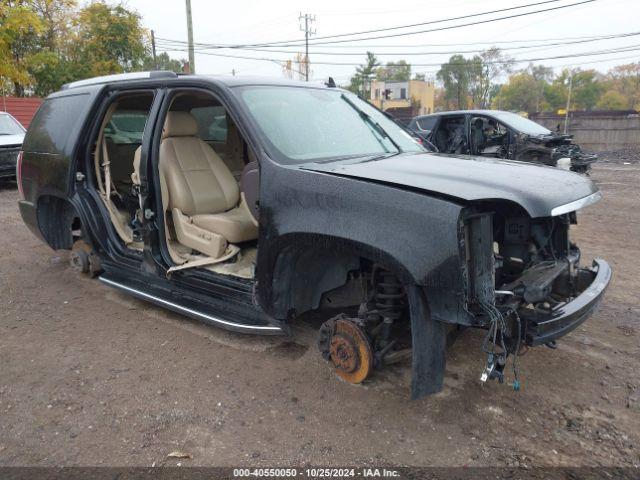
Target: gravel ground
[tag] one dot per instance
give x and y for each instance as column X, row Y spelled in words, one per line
column 89, row 376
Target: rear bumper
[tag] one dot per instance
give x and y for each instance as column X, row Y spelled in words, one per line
column 543, row 328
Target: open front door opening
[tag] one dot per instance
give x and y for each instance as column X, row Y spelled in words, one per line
column 204, row 169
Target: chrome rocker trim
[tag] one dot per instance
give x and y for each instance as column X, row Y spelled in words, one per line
column 238, row 327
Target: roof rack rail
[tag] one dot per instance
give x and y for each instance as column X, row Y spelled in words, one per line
column 120, row 77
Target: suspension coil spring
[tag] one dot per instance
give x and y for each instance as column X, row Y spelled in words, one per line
column 389, row 296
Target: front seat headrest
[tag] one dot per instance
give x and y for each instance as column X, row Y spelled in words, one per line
column 180, row 124
column 477, row 123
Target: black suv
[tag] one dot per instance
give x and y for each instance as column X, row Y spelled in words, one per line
column 245, row 202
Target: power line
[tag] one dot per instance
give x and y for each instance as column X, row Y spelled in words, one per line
column 573, row 64
column 629, row 48
column 290, row 43
column 431, row 22
column 167, row 42
column 499, row 42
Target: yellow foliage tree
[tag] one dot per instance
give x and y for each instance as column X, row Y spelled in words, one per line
column 19, row 28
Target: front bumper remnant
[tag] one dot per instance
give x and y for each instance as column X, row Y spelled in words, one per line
column 544, row 327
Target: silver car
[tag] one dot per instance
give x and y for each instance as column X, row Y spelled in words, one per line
column 11, row 137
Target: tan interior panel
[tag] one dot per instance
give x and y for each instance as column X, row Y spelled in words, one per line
column 203, row 195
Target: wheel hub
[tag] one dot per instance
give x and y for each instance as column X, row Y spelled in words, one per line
column 344, row 353
column 347, row 349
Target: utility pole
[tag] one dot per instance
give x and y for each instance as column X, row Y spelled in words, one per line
column 192, row 59
column 153, row 49
column 308, row 20
column 566, row 114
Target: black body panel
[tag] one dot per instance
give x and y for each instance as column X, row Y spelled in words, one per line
column 536, row 189
column 412, row 234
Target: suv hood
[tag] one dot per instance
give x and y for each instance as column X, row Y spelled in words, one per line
column 11, row 140
column 538, row 189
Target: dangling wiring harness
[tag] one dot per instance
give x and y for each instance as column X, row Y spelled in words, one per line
column 495, row 347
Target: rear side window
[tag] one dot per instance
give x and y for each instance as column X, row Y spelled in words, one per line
column 426, row 123
column 54, row 123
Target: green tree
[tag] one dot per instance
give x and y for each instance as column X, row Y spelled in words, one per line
column 542, row 76
column 454, row 76
column 109, row 39
column 612, row 100
column 586, row 89
column 364, row 73
column 473, row 79
column 484, row 70
column 50, row 65
column 164, row 62
column 555, row 94
column 520, row 93
column 19, row 30
column 625, row 79
column 399, row 71
column 56, row 17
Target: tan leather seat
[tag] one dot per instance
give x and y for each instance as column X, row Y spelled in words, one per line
column 204, row 197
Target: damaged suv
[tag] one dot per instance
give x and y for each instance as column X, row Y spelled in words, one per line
column 246, row 202
column 494, row 133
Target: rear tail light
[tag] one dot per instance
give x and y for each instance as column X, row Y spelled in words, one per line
column 19, row 174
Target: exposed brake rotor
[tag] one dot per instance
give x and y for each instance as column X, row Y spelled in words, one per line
column 344, row 344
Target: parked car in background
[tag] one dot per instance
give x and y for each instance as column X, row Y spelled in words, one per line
column 11, row 137
column 495, row 133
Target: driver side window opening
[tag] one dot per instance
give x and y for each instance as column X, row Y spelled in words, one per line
column 489, row 137
column 450, row 136
column 206, row 173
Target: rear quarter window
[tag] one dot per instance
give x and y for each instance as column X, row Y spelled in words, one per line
column 54, row 123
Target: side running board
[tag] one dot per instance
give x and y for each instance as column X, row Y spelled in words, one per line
column 194, row 313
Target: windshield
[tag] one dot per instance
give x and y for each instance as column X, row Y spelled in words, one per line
column 9, row 126
column 521, row 124
column 303, row 125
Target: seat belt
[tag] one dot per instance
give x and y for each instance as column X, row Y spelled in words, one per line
column 105, row 166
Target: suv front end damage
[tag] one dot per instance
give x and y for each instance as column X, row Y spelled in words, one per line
column 524, row 282
column 556, row 150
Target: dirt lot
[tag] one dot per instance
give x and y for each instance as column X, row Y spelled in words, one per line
column 89, row 376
